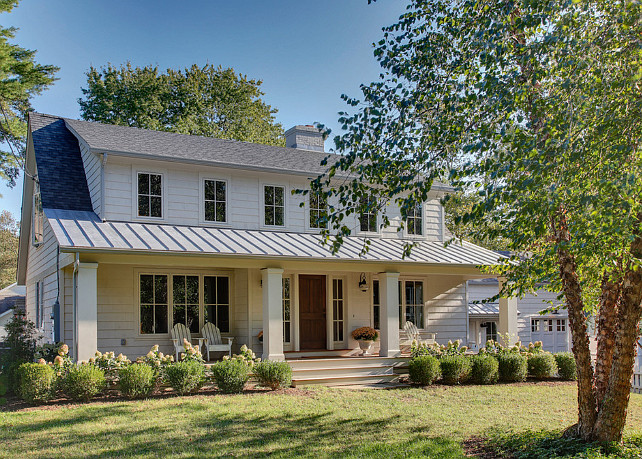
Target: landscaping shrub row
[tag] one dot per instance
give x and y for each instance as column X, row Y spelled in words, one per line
column 493, row 363
column 39, row 382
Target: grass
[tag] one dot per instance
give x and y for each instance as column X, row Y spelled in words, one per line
column 317, row 422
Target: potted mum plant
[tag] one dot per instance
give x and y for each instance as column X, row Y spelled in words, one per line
column 366, row 336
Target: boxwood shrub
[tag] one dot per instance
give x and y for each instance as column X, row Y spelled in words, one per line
column 566, row 366
column 83, row 382
column 275, row 375
column 541, row 365
column 484, row 369
column 455, row 369
column 231, row 375
column 37, row 382
column 424, row 370
column 186, row 376
column 137, row 380
column 513, row 367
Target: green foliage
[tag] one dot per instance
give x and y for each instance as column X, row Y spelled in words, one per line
column 137, row 380
column 21, row 78
column 157, row 360
column 275, row 375
column 185, row 376
column 455, row 369
column 109, row 363
column 37, row 382
column 437, row 350
column 513, row 367
column 246, row 356
column 484, row 369
column 542, row 365
column 8, row 248
column 21, row 341
column 231, row 375
column 424, row 370
column 208, row 101
column 566, row 367
column 83, row 382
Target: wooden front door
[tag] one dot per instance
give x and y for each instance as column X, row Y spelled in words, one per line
column 312, row 321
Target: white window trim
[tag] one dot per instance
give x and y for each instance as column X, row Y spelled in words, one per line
column 34, row 217
column 308, row 209
column 164, row 197
column 286, row 191
column 201, row 298
column 290, row 345
column 403, row 298
column 40, row 304
column 201, row 199
column 344, row 281
column 368, row 233
column 407, row 235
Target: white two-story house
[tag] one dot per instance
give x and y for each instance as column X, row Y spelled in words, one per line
column 126, row 232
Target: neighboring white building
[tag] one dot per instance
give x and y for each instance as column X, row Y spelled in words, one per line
column 11, row 297
column 550, row 328
column 131, row 231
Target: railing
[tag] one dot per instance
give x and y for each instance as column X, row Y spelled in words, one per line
column 636, row 383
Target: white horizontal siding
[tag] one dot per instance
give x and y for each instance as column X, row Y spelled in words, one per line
column 446, row 308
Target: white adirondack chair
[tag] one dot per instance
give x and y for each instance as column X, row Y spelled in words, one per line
column 213, row 341
column 412, row 334
column 180, row 333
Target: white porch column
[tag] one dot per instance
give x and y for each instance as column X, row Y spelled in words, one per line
column 272, row 280
column 507, row 318
column 86, row 314
column 389, row 297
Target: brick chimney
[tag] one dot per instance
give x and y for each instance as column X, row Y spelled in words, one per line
column 304, row 137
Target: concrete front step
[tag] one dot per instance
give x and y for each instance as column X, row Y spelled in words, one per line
column 347, row 362
column 346, row 380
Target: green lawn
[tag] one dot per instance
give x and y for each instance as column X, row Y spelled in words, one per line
column 311, row 422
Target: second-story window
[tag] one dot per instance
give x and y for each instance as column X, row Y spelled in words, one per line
column 150, row 195
column 368, row 217
column 414, row 222
column 215, row 201
column 318, row 210
column 38, row 217
column 274, row 201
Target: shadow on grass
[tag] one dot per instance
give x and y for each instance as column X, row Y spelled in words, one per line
column 550, row 443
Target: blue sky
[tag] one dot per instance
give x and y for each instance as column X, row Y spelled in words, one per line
column 306, row 52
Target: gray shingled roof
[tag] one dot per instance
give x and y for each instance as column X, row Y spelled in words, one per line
column 192, row 148
column 84, row 230
column 61, row 174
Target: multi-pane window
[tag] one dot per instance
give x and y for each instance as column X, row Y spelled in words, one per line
column 38, row 216
column 274, row 202
column 549, row 325
column 215, row 201
column 153, row 303
column 217, row 301
column 368, row 217
column 414, row 221
column 185, row 305
column 318, row 210
column 376, row 305
column 534, row 325
column 337, row 309
column 411, row 303
column 287, row 309
column 561, row 325
column 491, row 330
column 40, row 307
column 150, row 195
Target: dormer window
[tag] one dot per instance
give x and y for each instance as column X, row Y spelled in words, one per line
column 274, row 202
column 38, row 216
column 368, row 217
column 414, row 221
column 318, row 210
column 150, row 195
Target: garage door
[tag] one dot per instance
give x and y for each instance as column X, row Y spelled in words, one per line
column 552, row 332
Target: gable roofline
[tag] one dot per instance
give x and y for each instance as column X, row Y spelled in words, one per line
column 26, row 210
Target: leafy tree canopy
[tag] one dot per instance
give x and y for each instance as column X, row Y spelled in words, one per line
column 8, row 248
column 209, row 101
column 21, row 78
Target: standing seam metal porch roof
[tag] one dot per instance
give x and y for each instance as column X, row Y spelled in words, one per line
column 83, row 230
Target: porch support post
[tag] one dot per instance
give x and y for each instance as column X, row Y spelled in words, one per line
column 389, row 293
column 507, row 318
column 272, row 280
column 86, row 323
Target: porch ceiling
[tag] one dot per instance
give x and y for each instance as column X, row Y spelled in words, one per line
column 83, row 231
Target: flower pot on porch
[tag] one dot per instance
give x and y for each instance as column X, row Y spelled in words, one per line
column 365, row 345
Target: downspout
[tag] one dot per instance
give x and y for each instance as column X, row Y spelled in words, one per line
column 102, row 187
column 74, row 297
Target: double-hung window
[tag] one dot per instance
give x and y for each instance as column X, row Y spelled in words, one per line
column 318, row 210
column 217, row 301
column 185, row 307
column 215, row 193
column 414, row 221
column 368, row 216
column 153, row 304
column 274, row 205
column 411, row 303
column 40, row 306
column 38, row 216
column 150, row 195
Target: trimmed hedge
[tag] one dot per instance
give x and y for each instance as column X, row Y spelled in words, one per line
column 424, row 370
column 485, row 369
column 513, row 367
column 455, row 369
column 137, row 380
column 566, row 368
column 231, row 375
column 542, row 365
column 186, row 376
column 37, row 382
column 275, row 375
column 83, row 382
